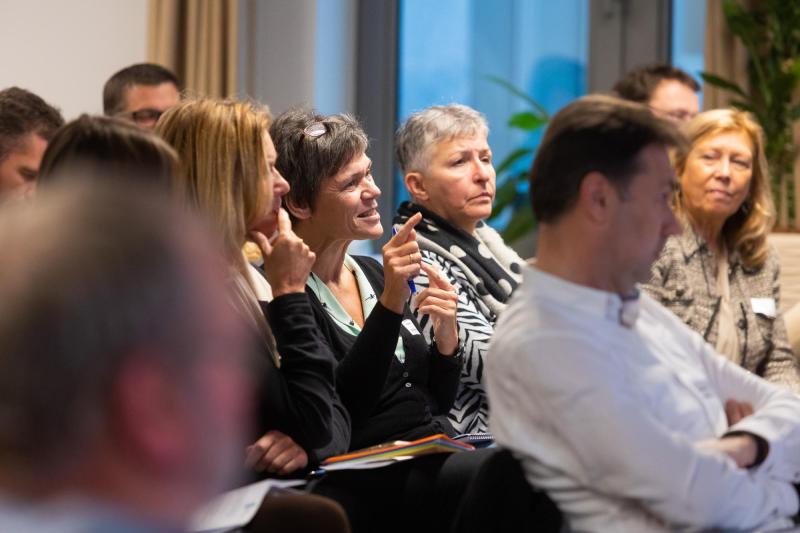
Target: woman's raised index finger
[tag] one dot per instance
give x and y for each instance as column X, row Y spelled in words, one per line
column 405, row 230
column 284, row 222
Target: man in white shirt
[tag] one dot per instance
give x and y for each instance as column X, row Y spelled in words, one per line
column 625, row 416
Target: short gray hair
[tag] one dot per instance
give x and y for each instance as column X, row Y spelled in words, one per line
column 425, row 129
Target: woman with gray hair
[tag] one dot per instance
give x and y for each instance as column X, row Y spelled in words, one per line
column 447, row 169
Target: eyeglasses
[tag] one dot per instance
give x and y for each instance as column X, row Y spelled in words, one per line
column 317, row 129
column 678, row 115
column 141, row 116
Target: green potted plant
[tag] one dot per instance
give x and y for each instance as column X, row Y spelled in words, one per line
column 770, row 32
column 512, row 182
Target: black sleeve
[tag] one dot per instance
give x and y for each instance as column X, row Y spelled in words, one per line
column 297, row 398
column 361, row 373
column 444, row 377
column 340, row 437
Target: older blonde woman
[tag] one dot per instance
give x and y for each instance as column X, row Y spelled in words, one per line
column 720, row 276
column 447, row 165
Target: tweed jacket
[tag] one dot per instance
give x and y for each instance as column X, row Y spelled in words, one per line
column 684, row 280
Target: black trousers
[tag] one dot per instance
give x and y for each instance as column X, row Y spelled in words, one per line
column 478, row 491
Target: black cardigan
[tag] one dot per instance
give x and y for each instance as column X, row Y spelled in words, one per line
column 386, row 399
column 299, row 397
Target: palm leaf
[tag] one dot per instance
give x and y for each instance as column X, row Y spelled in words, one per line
column 505, row 196
column 527, row 121
column 512, row 158
column 722, row 83
column 510, row 87
column 522, row 222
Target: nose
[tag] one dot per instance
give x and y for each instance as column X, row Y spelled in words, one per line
column 371, row 189
column 483, row 171
column 279, row 185
column 724, row 169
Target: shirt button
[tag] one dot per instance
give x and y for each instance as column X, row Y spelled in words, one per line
column 742, row 324
column 408, row 385
column 405, row 374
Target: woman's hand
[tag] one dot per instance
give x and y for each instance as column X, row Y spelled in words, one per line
column 275, row 453
column 440, row 302
column 287, row 259
column 401, row 262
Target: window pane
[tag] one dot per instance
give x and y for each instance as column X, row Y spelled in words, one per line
column 688, row 36
column 449, row 48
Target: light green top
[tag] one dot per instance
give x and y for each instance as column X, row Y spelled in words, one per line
column 337, row 312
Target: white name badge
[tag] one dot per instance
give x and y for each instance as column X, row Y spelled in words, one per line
column 764, row 306
column 409, row 325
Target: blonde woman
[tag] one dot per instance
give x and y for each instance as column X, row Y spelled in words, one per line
column 227, row 170
column 720, row 276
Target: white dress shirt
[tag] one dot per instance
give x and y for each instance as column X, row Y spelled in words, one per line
column 605, row 402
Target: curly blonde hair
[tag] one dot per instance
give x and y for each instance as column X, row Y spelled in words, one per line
column 746, row 230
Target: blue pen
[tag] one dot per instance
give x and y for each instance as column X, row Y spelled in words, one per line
column 410, row 281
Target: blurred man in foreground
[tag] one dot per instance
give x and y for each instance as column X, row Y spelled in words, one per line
column 123, row 397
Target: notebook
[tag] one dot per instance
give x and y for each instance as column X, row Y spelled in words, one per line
column 391, row 452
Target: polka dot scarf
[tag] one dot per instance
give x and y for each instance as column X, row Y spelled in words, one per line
column 496, row 268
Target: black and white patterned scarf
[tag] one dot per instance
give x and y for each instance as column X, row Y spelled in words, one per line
column 493, row 268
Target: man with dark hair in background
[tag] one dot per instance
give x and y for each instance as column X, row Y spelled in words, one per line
column 124, row 399
column 668, row 91
column 141, row 93
column 627, row 418
column 27, row 123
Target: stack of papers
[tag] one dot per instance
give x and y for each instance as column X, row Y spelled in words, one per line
column 393, row 452
column 236, row 508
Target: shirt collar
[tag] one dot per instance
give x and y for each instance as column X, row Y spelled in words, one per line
column 600, row 304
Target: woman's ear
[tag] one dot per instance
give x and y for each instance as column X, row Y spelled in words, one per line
column 416, row 186
column 299, row 213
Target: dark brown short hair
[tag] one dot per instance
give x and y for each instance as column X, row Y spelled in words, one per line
column 108, row 148
column 638, row 84
column 21, row 113
column 594, row 133
column 305, row 160
column 117, row 85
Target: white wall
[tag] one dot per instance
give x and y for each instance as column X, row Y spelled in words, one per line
column 64, row 51
column 335, row 57
column 298, row 52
